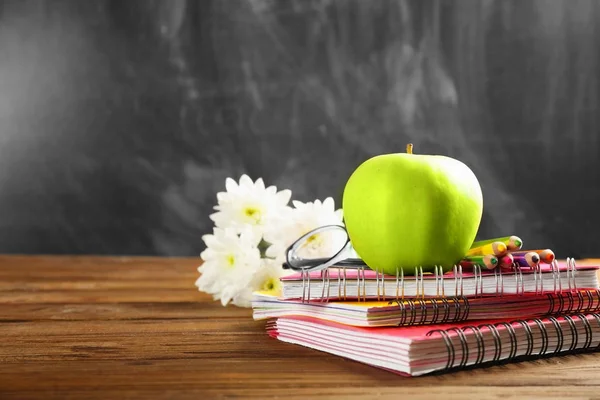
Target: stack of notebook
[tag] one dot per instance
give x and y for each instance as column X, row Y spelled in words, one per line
column 430, row 322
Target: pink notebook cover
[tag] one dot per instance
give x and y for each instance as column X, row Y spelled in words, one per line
column 413, row 333
column 410, row 334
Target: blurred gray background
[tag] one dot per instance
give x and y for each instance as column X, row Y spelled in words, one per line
column 121, row 119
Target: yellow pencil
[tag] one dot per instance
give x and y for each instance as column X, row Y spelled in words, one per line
column 512, row 242
column 496, row 248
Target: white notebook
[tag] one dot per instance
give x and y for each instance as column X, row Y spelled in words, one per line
column 347, row 284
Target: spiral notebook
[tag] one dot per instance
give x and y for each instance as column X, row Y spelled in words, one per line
column 419, row 350
column 365, row 284
column 428, row 311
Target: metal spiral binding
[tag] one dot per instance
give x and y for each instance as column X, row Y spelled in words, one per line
column 568, row 282
column 597, row 316
column 559, row 333
column 361, row 283
column 399, row 280
column 597, row 308
column 420, row 283
column 436, row 311
column 439, row 281
column 444, row 333
column 556, row 277
column 519, row 279
column 541, row 277
column 380, row 285
column 574, row 334
column 449, row 346
column 551, row 305
column 579, row 305
column 423, row 312
column 588, row 331
column 466, row 307
column 571, row 269
column 590, row 298
column 424, row 308
column 513, row 339
column 497, row 340
column 339, row 282
column 528, row 335
column 538, row 278
column 305, row 285
column 569, row 274
column 544, row 334
column 412, row 309
column 478, row 281
column 326, row 283
column 519, row 282
column 499, row 282
column 588, row 304
column 458, row 276
column 464, row 346
column 480, row 342
column 571, row 299
column 575, row 339
column 446, row 317
column 417, row 311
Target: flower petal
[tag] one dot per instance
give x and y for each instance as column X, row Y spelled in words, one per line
column 340, row 215
column 231, row 185
column 259, row 184
column 218, row 218
column 210, row 240
column 221, row 197
column 329, row 204
column 283, row 197
column 246, row 181
column 224, row 299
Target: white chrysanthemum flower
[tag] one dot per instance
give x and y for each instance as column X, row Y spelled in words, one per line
column 250, row 204
column 266, row 280
column 304, row 218
column 230, row 262
column 250, row 215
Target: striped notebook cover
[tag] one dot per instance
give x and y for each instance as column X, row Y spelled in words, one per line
column 428, row 311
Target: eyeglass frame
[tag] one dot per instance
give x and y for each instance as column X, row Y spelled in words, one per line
column 322, row 263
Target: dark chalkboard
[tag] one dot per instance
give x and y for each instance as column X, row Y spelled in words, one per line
column 121, row 119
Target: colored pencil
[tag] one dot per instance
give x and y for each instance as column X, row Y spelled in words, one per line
column 511, row 242
column 506, row 261
column 528, row 260
column 488, row 261
column 546, row 255
column 496, row 248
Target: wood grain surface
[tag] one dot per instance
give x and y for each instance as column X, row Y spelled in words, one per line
column 114, row 328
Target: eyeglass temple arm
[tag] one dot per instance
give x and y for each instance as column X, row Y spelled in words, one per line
column 350, row 263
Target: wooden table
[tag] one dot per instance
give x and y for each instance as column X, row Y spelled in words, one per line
column 113, row 328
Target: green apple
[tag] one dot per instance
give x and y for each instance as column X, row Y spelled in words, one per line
column 407, row 210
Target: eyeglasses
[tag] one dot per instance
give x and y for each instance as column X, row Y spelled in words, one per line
column 321, row 248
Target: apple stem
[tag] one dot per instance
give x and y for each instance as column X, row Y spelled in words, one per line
column 409, row 148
